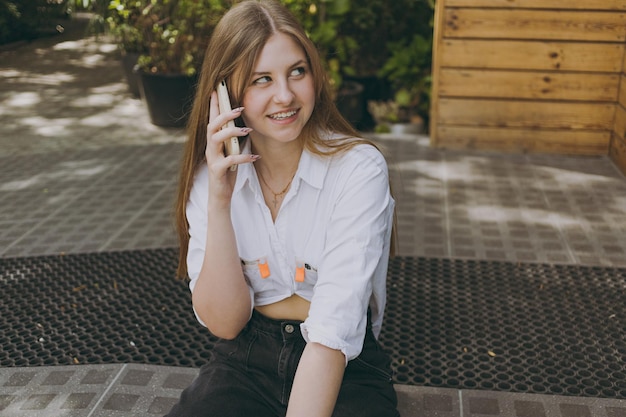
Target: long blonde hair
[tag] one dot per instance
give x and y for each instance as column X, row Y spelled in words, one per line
column 234, row 48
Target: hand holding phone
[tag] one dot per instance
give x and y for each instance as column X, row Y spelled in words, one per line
column 231, row 146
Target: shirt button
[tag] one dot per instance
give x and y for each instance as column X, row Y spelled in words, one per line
column 289, row 328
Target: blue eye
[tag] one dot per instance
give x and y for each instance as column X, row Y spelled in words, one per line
column 262, row 80
column 298, row 71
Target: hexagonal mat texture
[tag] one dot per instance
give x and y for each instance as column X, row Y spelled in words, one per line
column 511, row 327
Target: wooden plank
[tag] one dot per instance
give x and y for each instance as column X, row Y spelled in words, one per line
column 531, row 55
column 435, row 70
column 542, row 4
column 525, row 114
column 535, row 24
column 622, row 91
column 617, row 153
column 529, row 85
column 525, row 140
column 620, row 122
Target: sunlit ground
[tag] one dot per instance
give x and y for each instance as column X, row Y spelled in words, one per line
column 508, row 206
column 72, row 93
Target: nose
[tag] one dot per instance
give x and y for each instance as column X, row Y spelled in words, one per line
column 283, row 93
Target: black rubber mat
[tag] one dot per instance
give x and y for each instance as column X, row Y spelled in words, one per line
column 535, row 328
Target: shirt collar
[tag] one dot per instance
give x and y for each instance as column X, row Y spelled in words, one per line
column 312, row 169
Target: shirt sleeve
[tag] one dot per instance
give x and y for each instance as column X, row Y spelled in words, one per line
column 355, row 246
column 196, row 212
column 196, row 218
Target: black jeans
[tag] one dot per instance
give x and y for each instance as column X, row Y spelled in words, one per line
column 252, row 376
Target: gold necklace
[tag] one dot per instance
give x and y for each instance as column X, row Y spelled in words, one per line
column 276, row 195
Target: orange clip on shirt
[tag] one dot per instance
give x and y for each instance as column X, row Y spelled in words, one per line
column 264, row 268
column 299, row 271
column 300, row 274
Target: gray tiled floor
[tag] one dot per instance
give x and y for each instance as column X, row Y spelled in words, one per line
column 147, row 390
column 92, row 390
column 82, row 169
column 515, row 208
column 93, row 200
column 518, row 208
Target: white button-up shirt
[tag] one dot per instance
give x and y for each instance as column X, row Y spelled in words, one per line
column 329, row 243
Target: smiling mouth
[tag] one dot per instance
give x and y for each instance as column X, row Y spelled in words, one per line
column 282, row 115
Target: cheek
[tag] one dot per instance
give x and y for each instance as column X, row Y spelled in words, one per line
column 253, row 104
column 248, row 114
column 253, row 110
column 245, row 102
column 307, row 92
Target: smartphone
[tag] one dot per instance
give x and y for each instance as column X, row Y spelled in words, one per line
column 232, row 144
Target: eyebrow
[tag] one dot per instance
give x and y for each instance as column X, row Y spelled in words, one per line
column 296, row 64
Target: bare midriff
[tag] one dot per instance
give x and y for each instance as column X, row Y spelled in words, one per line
column 292, row 308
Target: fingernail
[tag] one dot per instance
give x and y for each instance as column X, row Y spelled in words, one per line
column 238, row 110
column 246, row 130
column 255, row 157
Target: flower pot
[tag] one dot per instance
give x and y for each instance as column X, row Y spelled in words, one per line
column 374, row 89
column 169, row 97
column 129, row 60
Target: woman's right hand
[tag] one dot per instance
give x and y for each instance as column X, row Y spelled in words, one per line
column 221, row 176
column 221, row 297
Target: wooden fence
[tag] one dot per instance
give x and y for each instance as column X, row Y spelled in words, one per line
column 531, row 76
column 618, row 144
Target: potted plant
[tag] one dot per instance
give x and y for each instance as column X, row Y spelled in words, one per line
column 374, row 25
column 354, row 38
column 408, row 70
column 173, row 35
column 122, row 22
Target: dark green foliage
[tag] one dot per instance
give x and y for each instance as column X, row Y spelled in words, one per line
column 29, row 19
column 376, row 24
column 388, row 40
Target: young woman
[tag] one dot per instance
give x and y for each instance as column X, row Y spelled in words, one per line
column 286, row 244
